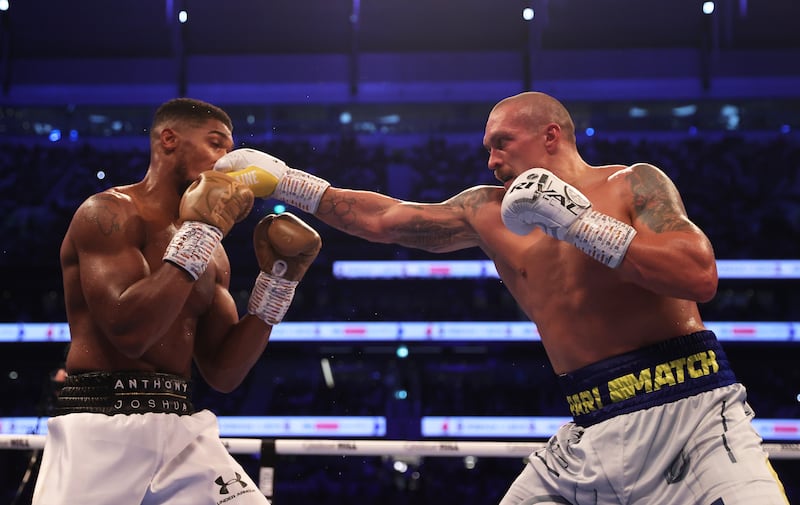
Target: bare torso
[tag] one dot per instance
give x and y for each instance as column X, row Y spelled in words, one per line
column 584, row 311
column 141, row 234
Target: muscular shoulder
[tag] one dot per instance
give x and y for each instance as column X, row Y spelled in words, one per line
column 653, row 196
column 106, row 214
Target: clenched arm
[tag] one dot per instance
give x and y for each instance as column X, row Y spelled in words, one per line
column 131, row 305
column 670, row 254
column 434, row 227
column 226, row 348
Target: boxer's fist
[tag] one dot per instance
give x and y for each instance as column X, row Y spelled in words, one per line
column 216, row 199
column 209, row 208
column 285, row 246
column 537, row 198
column 267, row 176
column 259, row 171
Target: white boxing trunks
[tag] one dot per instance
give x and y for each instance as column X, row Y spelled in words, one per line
column 666, row 425
column 95, row 456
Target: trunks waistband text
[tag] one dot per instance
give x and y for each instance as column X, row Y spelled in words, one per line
column 643, row 379
column 125, row 393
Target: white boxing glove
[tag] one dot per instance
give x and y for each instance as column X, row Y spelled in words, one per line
column 539, row 199
column 267, row 176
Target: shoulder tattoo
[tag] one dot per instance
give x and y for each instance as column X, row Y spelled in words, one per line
column 656, row 201
column 104, row 212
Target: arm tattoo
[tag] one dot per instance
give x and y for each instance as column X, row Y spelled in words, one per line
column 656, row 202
column 424, row 234
column 339, row 212
column 471, row 201
column 432, row 235
column 422, row 231
column 104, row 214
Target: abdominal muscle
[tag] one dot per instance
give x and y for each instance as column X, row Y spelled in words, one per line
column 583, row 311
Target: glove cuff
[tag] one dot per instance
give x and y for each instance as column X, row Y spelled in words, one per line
column 301, row 189
column 192, row 246
column 271, row 298
column 602, row 237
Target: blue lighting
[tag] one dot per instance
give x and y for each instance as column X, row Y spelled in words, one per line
column 590, row 132
column 279, row 208
column 55, row 135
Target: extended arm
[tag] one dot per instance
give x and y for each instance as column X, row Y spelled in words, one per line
column 435, row 227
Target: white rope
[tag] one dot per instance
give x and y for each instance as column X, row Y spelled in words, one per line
column 326, row 447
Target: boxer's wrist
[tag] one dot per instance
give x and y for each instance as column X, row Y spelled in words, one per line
column 271, row 297
column 602, row 237
column 301, row 189
column 192, row 246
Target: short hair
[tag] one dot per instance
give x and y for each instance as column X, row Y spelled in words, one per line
column 538, row 109
column 188, row 110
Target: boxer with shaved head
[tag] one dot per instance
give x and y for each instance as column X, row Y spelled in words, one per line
column 608, row 265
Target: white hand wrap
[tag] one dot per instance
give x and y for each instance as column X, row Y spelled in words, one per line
column 271, row 298
column 601, row 236
column 192, row 246
column 301, row 189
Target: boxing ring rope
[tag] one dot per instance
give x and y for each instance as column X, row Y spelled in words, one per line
column 342, row 447
column 338, row 447
column 268, row 449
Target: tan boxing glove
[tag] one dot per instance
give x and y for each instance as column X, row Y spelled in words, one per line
column 285, row 247
column 208, row 210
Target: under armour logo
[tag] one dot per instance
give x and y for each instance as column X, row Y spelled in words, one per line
column 223, row 486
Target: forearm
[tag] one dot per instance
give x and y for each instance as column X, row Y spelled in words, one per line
column 227, row 347
column 225, row 365
column 672, row 264
column 143, row 313
column 433, row 227
column 359, row 213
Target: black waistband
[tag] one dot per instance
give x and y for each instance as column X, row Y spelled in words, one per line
column 125, row 393
column 654, row 375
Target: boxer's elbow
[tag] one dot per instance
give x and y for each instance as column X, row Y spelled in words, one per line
column 701, row 282
column 220, row 381
column 706, row 286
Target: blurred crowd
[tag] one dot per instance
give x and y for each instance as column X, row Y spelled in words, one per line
column 743, row 191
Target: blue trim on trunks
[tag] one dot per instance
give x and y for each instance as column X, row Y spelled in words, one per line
column 647, row 377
